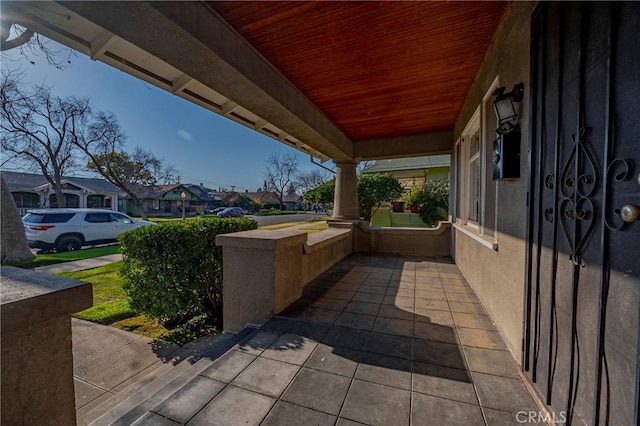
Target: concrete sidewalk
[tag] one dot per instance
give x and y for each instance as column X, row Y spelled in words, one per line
column 110, row 364
column 79, row 265
column 106, row 360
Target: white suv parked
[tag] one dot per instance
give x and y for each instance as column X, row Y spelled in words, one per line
column 70, row 229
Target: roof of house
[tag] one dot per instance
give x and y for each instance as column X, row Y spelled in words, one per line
column 263, row 197
column 18, row 181
column 291, row 198
column 266, row 197
column 413, row 163
column 152, row 191
column 204, row 193
column 155, row 191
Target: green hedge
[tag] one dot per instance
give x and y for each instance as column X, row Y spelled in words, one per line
column 173, row 271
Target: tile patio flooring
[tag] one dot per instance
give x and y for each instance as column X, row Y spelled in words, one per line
column 375, row 340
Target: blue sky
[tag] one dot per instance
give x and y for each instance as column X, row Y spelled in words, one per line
column 203, row 146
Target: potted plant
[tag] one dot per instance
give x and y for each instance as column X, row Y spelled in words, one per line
column 411, row 198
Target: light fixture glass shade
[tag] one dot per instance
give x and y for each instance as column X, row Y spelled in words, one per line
column 505, row 110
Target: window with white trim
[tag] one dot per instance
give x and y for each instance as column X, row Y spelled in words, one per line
column 475, row 175
column 476, row 192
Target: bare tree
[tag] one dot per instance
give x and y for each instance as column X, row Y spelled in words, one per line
column 40, row 129
column 280, row 174
column 31, row 45
column 306, row 181
column 167, row 173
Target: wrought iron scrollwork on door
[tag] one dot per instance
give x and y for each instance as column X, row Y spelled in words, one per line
column 549, row 182
column 578, row 182
column 618, row 170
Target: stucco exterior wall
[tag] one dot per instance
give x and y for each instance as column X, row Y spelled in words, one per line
column 404, row 241
column 266, row 271
column 438, row 173
column 498, row 274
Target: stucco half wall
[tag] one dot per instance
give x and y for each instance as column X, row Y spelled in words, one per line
column 495, row 269
column 266, row 271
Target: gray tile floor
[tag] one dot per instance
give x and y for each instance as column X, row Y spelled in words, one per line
column 376, row 341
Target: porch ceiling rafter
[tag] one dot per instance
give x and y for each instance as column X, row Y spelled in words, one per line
column 404, row 146
column 181, row 65
column 334, row 80
column 204, row 47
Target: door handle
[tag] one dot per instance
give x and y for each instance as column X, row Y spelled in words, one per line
column 630, row 213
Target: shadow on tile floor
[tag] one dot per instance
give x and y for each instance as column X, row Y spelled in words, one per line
column 375, row 340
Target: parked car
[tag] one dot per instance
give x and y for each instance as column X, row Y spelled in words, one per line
column 231, row 212
column 216, row 210
column 70, row 229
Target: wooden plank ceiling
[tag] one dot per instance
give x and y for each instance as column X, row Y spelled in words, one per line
column 377, row 69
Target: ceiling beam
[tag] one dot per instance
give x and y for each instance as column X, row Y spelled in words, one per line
column 180, row 83
column 404, row 146
column 202, row 45
column 229, row 107
column 100, row 44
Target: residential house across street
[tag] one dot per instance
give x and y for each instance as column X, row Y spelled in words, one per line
column 167, row 200
column 415, row 171
column 33, row 191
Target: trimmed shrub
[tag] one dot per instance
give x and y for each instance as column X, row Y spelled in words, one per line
column 173, row 271
column 434, row 202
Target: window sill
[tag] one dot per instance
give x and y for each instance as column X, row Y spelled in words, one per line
column 473, row 234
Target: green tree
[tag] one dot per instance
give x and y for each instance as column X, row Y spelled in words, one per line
column 434, row 202
column 375, row 188
column 130, row 172
column 243, row 202
column 322, row 194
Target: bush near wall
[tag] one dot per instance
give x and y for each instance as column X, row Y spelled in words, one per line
column 433, row 203
column 173, row 271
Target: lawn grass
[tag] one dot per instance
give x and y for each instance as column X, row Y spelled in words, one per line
column 277, row 212
column 69, row 256
column 163, row 219
column 318, row 219
column 308, row 229
column 111, row 307
column 314, row 228
column 109, row 299
column 280, row 225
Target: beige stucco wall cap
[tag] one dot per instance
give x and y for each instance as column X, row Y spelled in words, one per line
column 29, row 297
column 319, row 240
column 262, row 239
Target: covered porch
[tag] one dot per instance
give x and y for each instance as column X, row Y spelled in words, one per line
column 375, row 340
column 541, row 254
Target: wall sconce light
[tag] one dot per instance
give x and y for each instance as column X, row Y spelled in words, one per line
column 505, row 109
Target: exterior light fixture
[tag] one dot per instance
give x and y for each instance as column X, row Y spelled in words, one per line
column 505, row 109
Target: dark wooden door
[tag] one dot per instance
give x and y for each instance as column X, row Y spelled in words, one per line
column 581, row 348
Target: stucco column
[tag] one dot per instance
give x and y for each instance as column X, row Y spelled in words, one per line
column 36, row 383
column 345, row 204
